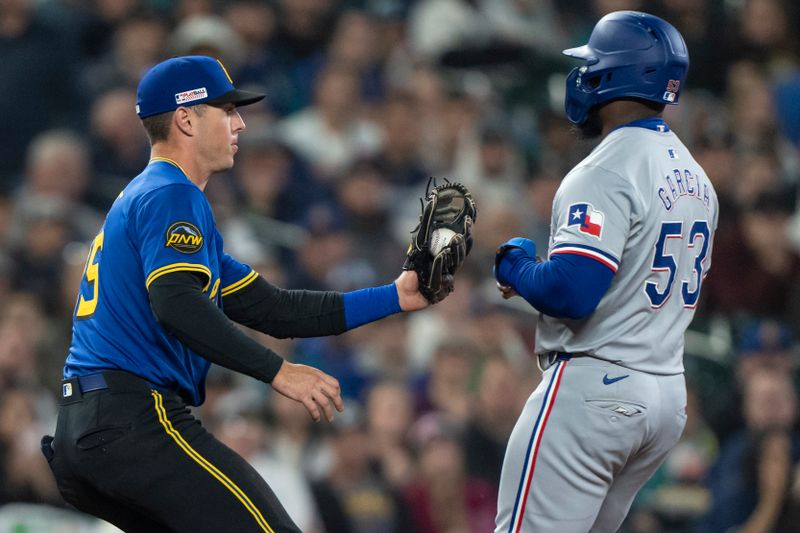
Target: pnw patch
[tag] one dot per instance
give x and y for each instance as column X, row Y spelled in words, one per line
column 184, row 237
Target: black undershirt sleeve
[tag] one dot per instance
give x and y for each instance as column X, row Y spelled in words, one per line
column 285, row 313
column 181, row 307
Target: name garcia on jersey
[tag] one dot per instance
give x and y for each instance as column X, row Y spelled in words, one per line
column 684, row 183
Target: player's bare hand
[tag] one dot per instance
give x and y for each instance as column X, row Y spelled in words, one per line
column 507, row 291
column 316, row 390
column 408, row 291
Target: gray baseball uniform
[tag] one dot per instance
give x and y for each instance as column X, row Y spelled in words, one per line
column 612, row 399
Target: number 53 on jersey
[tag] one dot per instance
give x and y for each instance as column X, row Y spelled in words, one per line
column 680, row 253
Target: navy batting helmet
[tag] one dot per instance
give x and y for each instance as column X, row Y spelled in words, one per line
column 629, row 54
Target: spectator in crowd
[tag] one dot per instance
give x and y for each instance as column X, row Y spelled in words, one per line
column 365, row 198
column 137, row 43
column 540, row 191
column 38, row 89
column 249, row 436
column 750, row 482
column 763, row 34
column 389, row 415
column 118, row 145
column 58, row 169
column 254, row 22
column 354, row 43
column 352, row 497
column 495, row 406
column 400, row 154
column 763, row 343
column 444, row 498
column 270, row 191
column 494, row 173
column 23, row 472
column 447, row 387
column 208, row 35
column 331, row 134
column 435, row 327
column 753, row 121
column 303, row 32
column 296, row 441
column 755, row 246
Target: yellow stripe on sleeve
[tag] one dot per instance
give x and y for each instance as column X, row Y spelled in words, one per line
column 241, row 284
column 207, row 466
column 177, row 267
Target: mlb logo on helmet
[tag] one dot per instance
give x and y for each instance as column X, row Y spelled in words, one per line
column 673, row 86
column 588, row 220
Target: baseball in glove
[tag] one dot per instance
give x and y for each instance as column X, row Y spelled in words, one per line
column 442, row 239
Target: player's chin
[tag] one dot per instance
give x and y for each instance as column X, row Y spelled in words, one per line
column 224, row 164
column 228, row 160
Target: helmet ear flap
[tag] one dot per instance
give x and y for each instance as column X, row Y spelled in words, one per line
column 579, row 97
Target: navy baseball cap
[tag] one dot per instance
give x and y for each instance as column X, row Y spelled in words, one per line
column 187, row 81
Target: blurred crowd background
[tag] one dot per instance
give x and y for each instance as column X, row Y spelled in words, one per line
column 365, row 100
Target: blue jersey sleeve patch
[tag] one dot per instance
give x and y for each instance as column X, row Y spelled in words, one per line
column 170, row 225
column 184, row 237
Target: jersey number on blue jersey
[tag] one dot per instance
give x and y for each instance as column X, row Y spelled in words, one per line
column 665, row 262
column 85, row 308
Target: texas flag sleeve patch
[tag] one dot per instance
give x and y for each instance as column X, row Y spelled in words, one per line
column 587, row 218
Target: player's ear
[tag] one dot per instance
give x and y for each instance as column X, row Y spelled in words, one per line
column 184, row 121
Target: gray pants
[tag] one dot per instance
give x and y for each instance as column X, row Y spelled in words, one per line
column 590, row 435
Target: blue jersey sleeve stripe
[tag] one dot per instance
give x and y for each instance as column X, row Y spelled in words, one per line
column 177, row 267
column 241, row 284
column 593, row 252
column 586, row 253
column 587, row 247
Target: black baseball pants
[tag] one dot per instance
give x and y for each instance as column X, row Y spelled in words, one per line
column 136, row 457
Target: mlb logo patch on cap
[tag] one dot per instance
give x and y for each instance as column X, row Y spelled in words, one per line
column 66, row 390
column 190, row 96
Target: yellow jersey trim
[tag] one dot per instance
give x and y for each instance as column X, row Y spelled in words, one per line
column 207, row 466
column 241, row 284
column 177, row 267
column 171, row 162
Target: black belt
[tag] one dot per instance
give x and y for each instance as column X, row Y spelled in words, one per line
column 548, row 359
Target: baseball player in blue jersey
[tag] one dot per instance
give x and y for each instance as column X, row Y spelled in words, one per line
column 157, row 305
column 630, row 244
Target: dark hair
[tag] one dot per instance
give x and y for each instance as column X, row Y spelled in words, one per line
column 157, row 126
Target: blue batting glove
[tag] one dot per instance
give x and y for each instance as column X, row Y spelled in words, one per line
column 518, row 247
